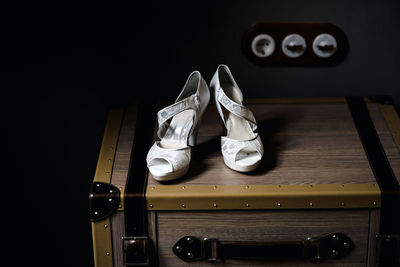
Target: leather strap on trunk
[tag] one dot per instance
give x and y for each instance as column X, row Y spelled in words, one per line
column 390, row 218
column 136, row 244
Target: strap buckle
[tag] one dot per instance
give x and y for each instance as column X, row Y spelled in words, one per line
column 190, row 249
column 312, row 249
column 136, row 250
column 210, row 249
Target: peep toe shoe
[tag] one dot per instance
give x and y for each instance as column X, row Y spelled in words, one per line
column 178, row 124
column 241, row 148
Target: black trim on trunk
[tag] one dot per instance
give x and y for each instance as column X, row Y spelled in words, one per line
column 373, row 148
column 390, row 200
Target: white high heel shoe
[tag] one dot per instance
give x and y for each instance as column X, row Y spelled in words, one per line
column 169, row 158
column 242, row 149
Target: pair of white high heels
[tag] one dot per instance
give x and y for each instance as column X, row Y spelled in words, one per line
column 178, row 124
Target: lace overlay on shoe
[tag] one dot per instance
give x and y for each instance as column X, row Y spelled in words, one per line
column 235, row 108
column 231, row 147
column 167, row 113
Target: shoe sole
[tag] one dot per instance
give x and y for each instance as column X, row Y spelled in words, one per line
column 239, row 168
column 171, row 175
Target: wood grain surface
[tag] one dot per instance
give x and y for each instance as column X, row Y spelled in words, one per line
column 117, row 232
column 124, row 148
column 304, row 144
column 263, row 226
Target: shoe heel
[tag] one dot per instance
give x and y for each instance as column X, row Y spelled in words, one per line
column 192, row 141
column 193, row 138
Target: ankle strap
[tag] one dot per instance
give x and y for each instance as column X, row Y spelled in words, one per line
column 235, row 108
column 191, row 102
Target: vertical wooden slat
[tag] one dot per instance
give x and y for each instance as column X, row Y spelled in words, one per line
column 124, row 147
column 118, row 231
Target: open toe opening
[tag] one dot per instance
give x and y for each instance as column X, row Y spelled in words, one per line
column 160, row 167
column 247, row 157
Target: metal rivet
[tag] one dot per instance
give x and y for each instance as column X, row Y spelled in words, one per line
column 98, row 185
column 96, row 213
column 111, row 148
column 189, row 240
column 105, row 226
column 335, row 252
column 375, row 203
column 247, row 205
column 215, row 205
column 279, row 204
column 215, row 187
column 311, row 204
column 108, row 254
column 110, row 200
column 119, row 206
column 247, row 186
column 152, row 188
column 335, row 237
column 183, row 187
column 178, row 248
column 151, row 206
column 190, row 255
column 346, row 245
column 107, row 172
column 183, row 206
column 111, row 191
column 342, row 204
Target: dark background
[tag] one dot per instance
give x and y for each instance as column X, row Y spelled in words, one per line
column 64, row 66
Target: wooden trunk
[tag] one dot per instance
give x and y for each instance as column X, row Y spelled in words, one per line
column 315, row 178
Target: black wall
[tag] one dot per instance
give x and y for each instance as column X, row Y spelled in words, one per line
column 63, row 67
